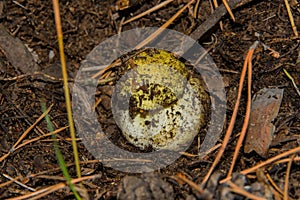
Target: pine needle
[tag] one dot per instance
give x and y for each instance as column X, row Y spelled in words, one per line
column 66, row 86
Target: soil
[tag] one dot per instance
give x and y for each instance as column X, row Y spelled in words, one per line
column 85, row 25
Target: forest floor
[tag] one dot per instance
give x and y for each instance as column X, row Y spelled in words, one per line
column 88, row 23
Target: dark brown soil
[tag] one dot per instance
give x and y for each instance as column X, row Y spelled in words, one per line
column 88, row 23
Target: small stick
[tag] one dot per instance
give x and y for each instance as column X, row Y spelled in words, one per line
column 204, row 154
column 287, row 160
column 25, row 134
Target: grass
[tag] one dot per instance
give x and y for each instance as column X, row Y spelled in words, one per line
column 58, row 153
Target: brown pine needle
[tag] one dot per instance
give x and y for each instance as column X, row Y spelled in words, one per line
column 25, row 134
column 285, row 160
column 271, row 160
column 165, row 25
column 65, row 81
column 189, row 182
column 286, row 182
column 113, row 64
column 19, row 183
column 274, row 185
column 40, row 137
column 228, row 9
column 196, row 9
column 147, row 40
column 248, row 110
column 31, row 127
column 204, row 154
column 236, row 189
column 43, row 192
column 216, row 6
column 231, row 123
column 288, row 8
column 9, row 182
column 148, row 11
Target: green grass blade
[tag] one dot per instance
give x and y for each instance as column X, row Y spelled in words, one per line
column 58, row 153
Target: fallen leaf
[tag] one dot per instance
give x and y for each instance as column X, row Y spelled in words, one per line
column 265, row 107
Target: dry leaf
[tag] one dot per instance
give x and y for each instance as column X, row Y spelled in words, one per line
column 265, row 107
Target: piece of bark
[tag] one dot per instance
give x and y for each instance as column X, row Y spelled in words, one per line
column 265, row 108
column 16, row 52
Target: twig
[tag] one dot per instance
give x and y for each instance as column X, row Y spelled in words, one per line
column 35, row 75
column 204, row 154
column 20, row 5
column 30, row 128
column 285, row 160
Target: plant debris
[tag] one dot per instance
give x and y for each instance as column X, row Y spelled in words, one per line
column 265, row 108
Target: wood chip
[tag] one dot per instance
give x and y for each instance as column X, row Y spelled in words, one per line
column 265, row 107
